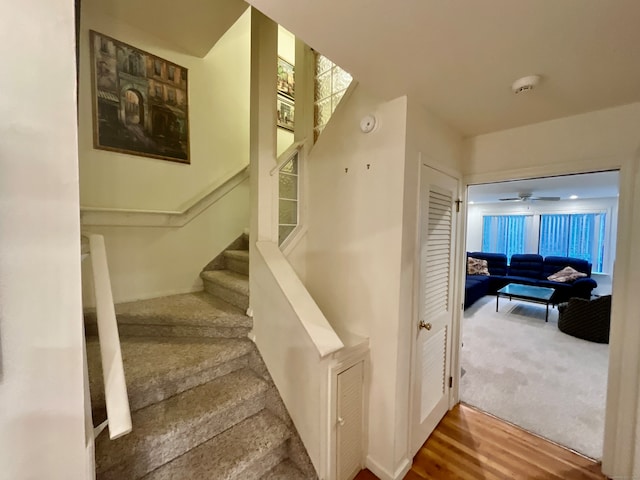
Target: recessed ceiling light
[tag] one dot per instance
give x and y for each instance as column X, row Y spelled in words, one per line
column 471, row 203
column 573, row 197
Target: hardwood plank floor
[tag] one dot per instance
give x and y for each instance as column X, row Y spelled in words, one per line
column 471, row 445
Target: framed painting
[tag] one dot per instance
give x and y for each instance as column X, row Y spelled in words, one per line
column 140, row 101
column 286, row 82
column 285, row 109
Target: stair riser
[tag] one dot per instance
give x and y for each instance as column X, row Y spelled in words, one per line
column 233, row 297
column 237, row 265
column 139, row 399
column 259, row 467
column 175, row 331
column 152, row 453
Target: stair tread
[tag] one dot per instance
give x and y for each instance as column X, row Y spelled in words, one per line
column 210, row 405
column 284, row 471
column 232, row 280
column 152, row 362
column 192, row 309
column 228, row 454
column 237, row 254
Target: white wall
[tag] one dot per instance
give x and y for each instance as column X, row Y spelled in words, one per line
column 218, row 123
column 475, row 214
column 606, row 139
column 353, row 243
column 41, row 376
column 429, row 141
column 150, row 262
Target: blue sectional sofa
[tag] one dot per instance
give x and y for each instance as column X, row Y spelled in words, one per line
column 527, row 269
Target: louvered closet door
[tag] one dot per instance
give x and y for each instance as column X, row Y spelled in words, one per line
column 431, row 352
column 349, row 430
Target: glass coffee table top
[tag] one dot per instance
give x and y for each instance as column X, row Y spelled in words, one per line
column 527, row 291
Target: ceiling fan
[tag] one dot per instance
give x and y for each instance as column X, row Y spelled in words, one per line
column 525, row 197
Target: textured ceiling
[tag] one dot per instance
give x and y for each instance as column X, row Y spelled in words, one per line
column 459, row 57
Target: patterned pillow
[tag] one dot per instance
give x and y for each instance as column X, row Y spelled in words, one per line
column 567, row 274
column 475, row 266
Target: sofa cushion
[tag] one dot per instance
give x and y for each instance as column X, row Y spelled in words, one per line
column 553, row 264
column 497, row 262
column 526, row 265
column 476, row 266
column 566, row 275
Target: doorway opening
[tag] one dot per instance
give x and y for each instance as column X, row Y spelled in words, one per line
column 544, row 372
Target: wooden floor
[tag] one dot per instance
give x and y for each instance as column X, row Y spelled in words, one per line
column 471, row 445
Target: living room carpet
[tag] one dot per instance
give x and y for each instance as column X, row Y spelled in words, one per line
column 523, row 370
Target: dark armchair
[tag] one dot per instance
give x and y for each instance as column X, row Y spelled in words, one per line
column 586, row 319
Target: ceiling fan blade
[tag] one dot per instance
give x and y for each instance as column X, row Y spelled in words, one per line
column 546, row 199
column 514, row 199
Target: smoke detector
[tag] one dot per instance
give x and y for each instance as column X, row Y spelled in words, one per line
column 525, row 84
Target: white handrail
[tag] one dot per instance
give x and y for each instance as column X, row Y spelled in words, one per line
column 286, row 155
column 124, row 217
column 115, row 386
column 317, row 327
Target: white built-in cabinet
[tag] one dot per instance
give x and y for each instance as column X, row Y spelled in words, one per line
column 349, row 428
column 349, row 406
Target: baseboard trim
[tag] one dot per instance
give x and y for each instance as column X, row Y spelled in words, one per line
column 383, row 473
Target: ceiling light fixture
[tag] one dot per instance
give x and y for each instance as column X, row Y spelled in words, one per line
column 525, row 84
column 573, row 197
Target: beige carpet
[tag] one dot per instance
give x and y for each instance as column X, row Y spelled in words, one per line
column 523, row 370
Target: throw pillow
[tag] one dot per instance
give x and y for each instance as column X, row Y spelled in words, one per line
column 476, row 266
column 567, row 274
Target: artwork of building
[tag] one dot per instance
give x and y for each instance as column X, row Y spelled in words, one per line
column 140, row 102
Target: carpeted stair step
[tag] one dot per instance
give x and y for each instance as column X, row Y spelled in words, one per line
column 246, row 451
column 186, row 315
column 237, row 261
column 229, row 286
column 167, row 430
column 285, row 470
column 158, row 368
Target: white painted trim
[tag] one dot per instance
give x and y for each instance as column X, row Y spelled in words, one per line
column 115, row 386
column 624, row 356
column 320, row 332
column 121, row 217
column 286, row 155
column 383, row 474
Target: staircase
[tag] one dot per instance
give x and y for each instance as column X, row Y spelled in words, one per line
column 203, row 404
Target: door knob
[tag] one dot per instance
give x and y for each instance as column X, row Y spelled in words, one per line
column 341, row 421
column 424, row 325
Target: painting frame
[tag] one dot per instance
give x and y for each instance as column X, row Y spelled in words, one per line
column 140, row 101
column 285, row 110
column 286, row 78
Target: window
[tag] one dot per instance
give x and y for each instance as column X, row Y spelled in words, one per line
column 504, row 234
column 288, row 198
column 331, row 82
column 580, row 235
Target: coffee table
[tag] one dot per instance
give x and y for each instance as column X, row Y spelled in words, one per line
column 527, row 293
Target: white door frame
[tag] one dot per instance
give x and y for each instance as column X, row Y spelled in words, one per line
column 624, row 356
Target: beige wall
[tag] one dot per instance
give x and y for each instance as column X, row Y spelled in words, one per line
column 218, row 123
column 599, row 140
column 602, row 138
column 429, row 141
column 353, row 242
column 41, row 374
column 148, row 262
